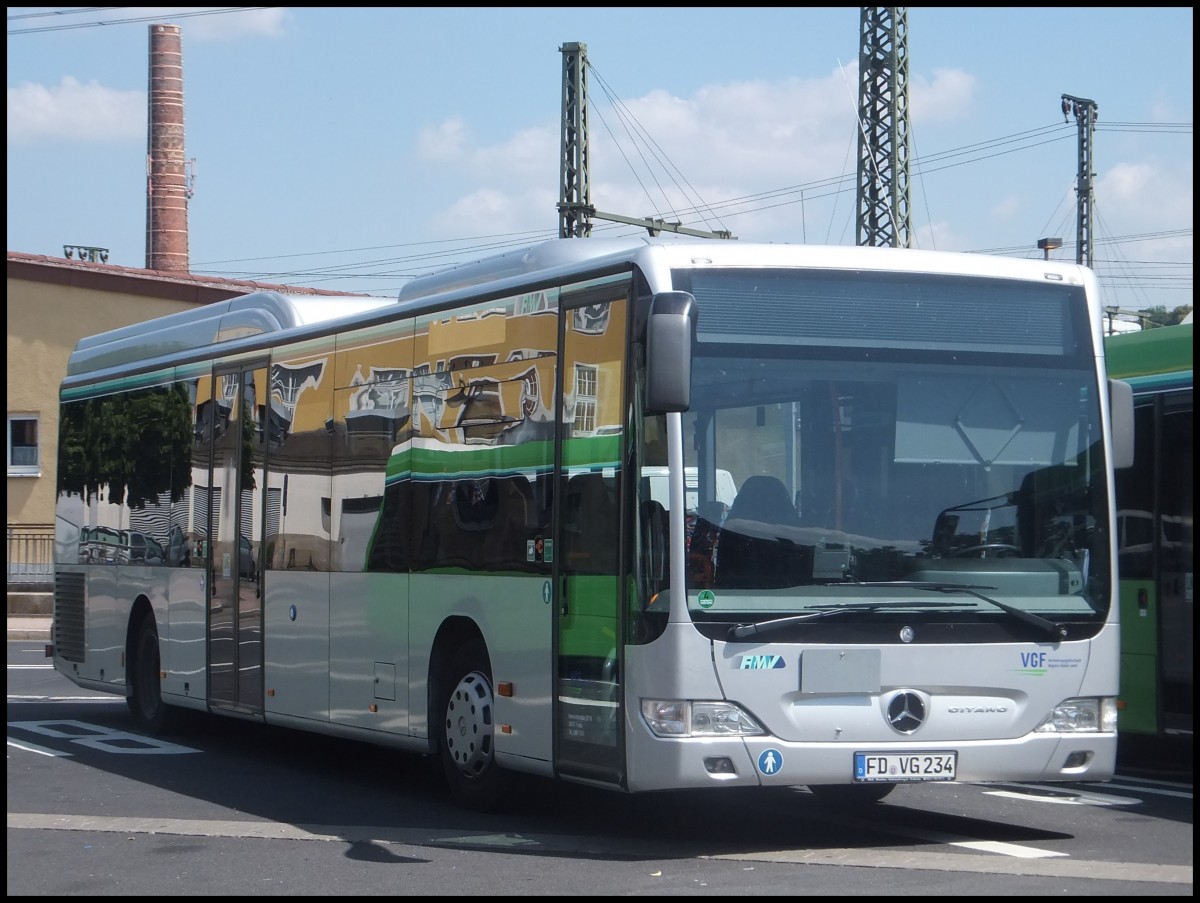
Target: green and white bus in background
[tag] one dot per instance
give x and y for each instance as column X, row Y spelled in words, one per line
column 645, row 514
column 1155, row 532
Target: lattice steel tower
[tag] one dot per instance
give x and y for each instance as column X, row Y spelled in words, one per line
column 1084, row 111
column 575, row 190
column 884, row 217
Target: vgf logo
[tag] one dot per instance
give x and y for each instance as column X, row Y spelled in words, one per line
column 1033, row 660
column 762, row 662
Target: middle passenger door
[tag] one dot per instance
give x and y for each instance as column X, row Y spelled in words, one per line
column 233, row 531
column 588, row 536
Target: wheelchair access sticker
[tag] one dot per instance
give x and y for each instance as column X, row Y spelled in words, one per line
column 770, row 761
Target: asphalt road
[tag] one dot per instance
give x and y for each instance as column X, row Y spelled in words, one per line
column 231, row 807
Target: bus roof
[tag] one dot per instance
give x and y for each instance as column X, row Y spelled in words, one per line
column 1151, row 358
column 166, row 339
column 246, row 315
column 657, row 255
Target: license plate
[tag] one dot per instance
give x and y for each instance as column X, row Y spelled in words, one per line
column 909, row 766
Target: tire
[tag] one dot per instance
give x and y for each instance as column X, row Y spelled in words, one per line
column 145, row 698
column 851, row 794
column 466, row 732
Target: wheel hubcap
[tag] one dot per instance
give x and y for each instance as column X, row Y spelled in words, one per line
column 469, row 728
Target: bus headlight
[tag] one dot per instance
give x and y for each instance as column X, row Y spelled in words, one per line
column 698, row 718
column 1082, row 715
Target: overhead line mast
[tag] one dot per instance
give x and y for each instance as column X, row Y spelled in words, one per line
column 884, row 214
column 575, row 210
column 1085, row 118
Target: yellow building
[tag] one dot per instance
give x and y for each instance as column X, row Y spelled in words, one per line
column 52, row 303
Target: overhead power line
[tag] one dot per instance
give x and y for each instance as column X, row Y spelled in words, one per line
column 64, row 12
column 428, row 256
column 67, row 26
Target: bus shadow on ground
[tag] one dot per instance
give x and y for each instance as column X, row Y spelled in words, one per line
column 368, row 794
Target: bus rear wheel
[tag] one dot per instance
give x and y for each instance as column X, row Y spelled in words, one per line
column 466, row 739
column 145, row 698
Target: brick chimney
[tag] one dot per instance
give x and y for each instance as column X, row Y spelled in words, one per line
column 167, row 185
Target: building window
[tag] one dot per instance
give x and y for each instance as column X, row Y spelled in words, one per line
column 585, row 398
column 23, row 445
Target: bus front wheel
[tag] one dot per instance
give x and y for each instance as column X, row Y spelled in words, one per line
column 466, row 739
column 145, row 698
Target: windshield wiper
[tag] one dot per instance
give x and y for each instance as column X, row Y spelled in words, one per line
column 741, row 631
column 1053, row 629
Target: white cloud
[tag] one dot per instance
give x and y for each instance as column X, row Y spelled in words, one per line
column 443, row 142
column 499, row 211
column 1145, row 194
column 530, row 153
column 1160, row 110
column 75, row 112
column 769, row 134
column 938, row 236
column 82, row 113
column 947, row 97
column 662, row 154
column 787, row 148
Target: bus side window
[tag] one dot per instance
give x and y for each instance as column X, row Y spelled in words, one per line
column 703, row 536
column 591, row 525
column 505, row 544
column 654, row 544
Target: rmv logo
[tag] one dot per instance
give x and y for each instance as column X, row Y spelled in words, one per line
column 761, row 662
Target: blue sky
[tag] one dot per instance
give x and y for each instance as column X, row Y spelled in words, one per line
column 355, row 148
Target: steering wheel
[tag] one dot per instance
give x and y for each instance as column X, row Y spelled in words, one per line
column 1001, row 547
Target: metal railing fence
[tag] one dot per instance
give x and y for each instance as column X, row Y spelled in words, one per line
column 30, row 555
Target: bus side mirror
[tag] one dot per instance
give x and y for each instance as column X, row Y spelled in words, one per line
column 1120, row 402
column 670, row 330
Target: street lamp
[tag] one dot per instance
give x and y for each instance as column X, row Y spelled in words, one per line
column 1046, row 245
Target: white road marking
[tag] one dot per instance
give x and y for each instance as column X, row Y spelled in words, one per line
column 1078, row 798
column 1150, row 787
column 102, row 739
column 34, row 748
column 66, row 699
column 965, row 862
column 1018, row 851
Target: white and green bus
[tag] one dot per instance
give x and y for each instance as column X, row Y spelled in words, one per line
column 645, row 514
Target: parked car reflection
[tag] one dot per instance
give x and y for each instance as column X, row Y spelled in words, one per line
column 247, row 568
column 139, row 548
column 178, row 548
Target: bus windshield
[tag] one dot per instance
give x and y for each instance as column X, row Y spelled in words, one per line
column 880, row 467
